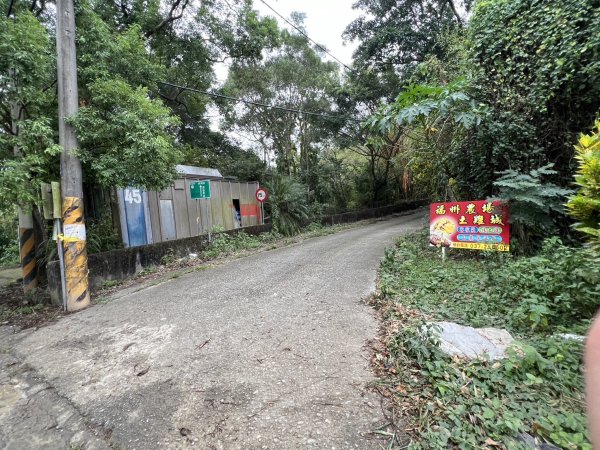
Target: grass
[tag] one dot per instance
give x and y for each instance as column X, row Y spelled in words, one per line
column 537, row 389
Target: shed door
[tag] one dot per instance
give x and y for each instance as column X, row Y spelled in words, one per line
column 167, row 220
column 135, row 216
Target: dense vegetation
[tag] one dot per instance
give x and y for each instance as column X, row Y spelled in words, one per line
column 538, row 389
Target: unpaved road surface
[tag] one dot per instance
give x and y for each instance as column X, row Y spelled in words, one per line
column 264, row 352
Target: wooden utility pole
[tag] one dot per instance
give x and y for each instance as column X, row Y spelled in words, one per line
column 74, row 236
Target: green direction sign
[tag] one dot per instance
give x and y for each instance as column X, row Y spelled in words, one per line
column 200, row 189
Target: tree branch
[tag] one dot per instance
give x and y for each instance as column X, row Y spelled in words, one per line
column 455, row 12
column 171, row 16
column 10, row 7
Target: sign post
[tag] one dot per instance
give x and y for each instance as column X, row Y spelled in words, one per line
column 51, row 204
column 261, row 196
column 474, row 225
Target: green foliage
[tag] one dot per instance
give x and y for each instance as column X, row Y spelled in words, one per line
column 423, row 131
column 537, row 389
column 227, row 244
column 116, row 135
column 395, row 36
column 293, row 76
column 217, row 151
column 101, row 235
column 585, row 205
column 533, row 203
column 557, row 287
column 9, row 242
column 537, row 66
column 26, row 67
column 289, row 207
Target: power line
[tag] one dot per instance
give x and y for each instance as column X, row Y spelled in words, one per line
column 299, row 30
column 261, row 105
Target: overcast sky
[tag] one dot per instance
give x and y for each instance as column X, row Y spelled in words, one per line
column 325, row 22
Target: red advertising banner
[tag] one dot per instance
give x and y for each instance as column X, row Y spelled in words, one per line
column 475, row 225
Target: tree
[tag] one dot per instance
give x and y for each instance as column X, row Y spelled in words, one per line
column 396, row 35
column 294, row 77
column 536, row 65
column 216, row 150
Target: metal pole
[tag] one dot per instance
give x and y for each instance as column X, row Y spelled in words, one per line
column 443, row 253
column 61, row 261
column 75, row 254
column 210, row 222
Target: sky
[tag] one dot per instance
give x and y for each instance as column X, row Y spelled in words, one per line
column 325, row 22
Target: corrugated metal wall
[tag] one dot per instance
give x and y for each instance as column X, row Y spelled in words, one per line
column 195, row 217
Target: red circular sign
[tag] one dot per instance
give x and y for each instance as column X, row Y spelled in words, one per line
column 262, row 194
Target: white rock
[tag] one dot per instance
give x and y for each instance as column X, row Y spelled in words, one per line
column 471, row 342
column 571, row 337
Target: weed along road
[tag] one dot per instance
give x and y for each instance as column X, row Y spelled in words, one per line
column 263, row 352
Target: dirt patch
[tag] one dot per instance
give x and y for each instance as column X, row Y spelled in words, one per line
column 26, row 310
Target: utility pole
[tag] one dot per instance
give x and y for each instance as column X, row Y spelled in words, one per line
column 27, row 242
column 74, row 236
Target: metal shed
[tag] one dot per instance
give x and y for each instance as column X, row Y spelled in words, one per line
column 149, row 217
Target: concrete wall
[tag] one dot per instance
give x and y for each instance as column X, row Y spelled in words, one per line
column 124, row 263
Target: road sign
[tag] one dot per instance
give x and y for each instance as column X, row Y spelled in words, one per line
column 200, row 189
column 262, row 194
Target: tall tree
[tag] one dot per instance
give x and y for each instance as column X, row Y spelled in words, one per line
column 293, row 77
column 396, row 35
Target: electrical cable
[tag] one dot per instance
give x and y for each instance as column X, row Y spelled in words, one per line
column 303, row 33
column 261, row 105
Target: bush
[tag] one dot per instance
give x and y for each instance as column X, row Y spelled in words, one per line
column 534, row 203
column 557, row 287
column 226, row 244
column 585, row 206
column 289, row 207
column 9, row 242
column 101, row 236
column 463, row 404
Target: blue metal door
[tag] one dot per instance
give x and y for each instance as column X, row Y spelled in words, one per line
column 134, row 208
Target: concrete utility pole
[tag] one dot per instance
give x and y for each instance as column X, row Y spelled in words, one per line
column 27, row 242
column 74, row 239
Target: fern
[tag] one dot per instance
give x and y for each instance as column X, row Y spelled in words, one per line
column 533, row 203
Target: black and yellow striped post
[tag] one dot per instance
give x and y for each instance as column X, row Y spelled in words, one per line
column 75, row 254
column 27, row 249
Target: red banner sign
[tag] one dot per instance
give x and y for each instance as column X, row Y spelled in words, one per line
column 475, row 225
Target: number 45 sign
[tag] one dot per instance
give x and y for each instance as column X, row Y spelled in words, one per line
column 132, row 196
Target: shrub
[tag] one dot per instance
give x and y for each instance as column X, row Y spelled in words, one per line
column 289, row 207
column 585, row 205
column 101, row 236
column 534, row 203
column 9, row 242
column 557, row 287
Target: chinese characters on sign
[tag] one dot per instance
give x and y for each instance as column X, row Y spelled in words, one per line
column 475, row 225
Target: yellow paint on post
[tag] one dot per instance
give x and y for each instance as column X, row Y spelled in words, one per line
column 28, row 261
column 76, row 267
